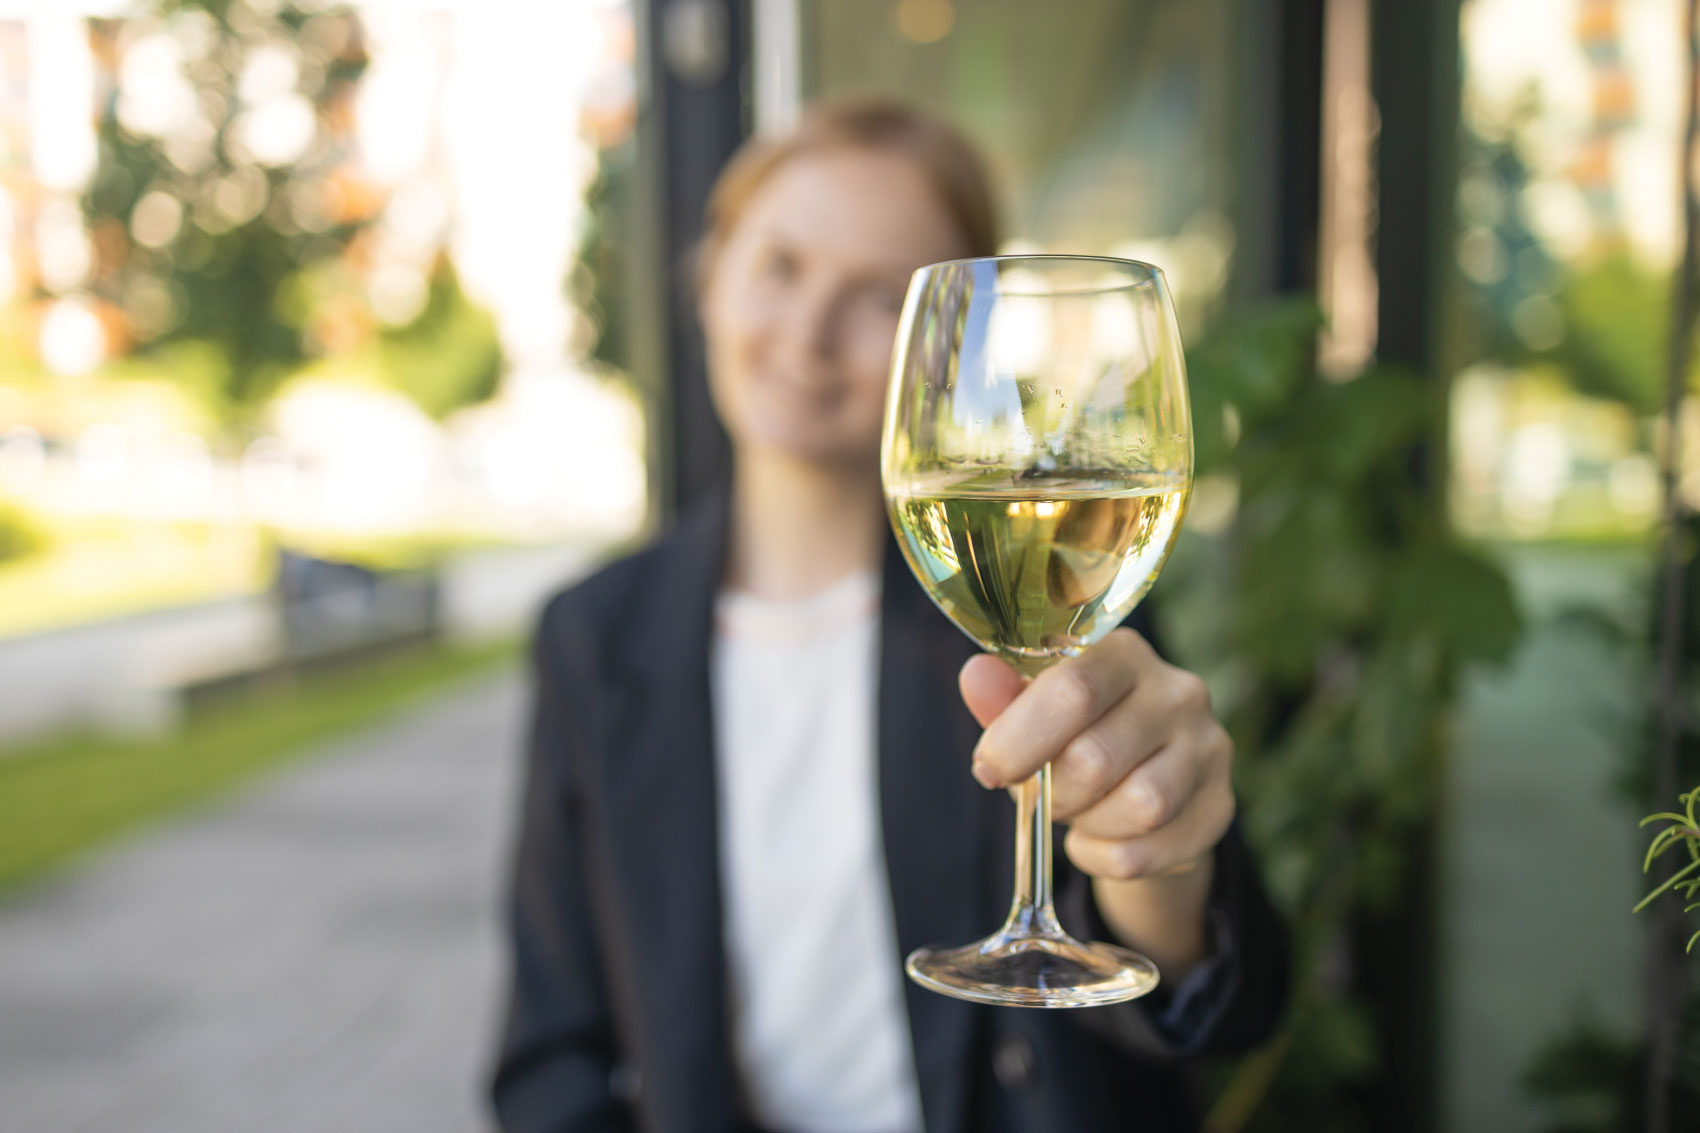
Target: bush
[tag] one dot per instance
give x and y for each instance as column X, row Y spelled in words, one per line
column 19, row 534
column 1332, row 612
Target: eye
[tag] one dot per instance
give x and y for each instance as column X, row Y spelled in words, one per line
column 884, row 297
column 780, row 265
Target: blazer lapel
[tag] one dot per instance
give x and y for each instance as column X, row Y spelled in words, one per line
column 657, row 774
column 934, row 818
column 659, row 791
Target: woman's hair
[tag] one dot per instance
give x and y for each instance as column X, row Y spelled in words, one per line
column 947, row 159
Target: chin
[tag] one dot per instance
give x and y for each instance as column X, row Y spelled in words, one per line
column 828, row 448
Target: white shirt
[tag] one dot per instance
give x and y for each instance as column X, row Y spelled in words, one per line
column 820, row 1035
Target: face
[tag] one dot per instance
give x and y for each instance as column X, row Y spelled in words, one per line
column 802, row 301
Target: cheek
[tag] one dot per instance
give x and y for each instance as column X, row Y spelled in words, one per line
column 735, row 337
column 870, row 359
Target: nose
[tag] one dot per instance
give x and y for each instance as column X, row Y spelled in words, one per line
column 815, row 319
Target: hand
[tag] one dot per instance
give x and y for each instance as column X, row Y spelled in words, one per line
column 1140, row 769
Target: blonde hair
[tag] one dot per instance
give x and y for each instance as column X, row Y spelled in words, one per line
column 947, row 159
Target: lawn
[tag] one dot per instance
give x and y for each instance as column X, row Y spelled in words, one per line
column 115, row 570
column 64, row 796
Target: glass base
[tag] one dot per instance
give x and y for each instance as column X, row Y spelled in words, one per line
column 1034, row 971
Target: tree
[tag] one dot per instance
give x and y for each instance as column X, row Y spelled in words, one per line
column 223, row 177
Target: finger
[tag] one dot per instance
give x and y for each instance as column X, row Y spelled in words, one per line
column 1161, row 788
column 1058, row 705
column 988, row 686
column 1093, row 764
column 1174, row 848
column 1167, row 706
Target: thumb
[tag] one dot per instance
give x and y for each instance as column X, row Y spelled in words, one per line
column 988, row 685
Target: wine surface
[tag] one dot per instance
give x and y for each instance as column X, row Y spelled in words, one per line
column 1038, row 568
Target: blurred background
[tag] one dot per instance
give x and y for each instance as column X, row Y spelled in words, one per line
column 334, row 336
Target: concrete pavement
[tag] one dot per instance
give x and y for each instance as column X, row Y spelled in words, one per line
column 317, row 952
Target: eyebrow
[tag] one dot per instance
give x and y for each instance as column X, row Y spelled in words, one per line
column 897, row 270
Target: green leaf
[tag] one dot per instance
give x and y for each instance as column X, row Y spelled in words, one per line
column 1379, row 416
column 1664, row 815
column 1461, row 599
column 1666, row 884
column 1660, row 843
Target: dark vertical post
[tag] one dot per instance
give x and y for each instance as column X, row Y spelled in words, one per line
column 1278, row 141
column 695, row 56
column 1298, row 186
column 1415, row 80
column 1414, row 65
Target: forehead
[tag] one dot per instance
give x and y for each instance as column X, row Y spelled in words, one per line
column 864, row 205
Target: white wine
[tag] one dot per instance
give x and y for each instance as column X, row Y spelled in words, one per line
column 1038, row 567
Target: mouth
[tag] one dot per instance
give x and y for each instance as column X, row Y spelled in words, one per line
column 807, row 396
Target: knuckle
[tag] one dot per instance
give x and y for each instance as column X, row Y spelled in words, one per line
column 1216, row 764
column 1225, row 759
column 1226, row 809
column 1127, row 860
column 1190, row 691
column 1074, row 692
column 1153, row 805
column 1128, row 640
column 1134, row 642
column 1090, row 763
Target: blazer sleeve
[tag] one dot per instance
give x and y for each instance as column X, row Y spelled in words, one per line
column 1233, row 999
column 556, row 1069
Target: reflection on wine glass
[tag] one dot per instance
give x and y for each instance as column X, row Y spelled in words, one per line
column 1037, row 458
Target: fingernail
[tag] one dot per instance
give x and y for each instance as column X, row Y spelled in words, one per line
column 985, row 776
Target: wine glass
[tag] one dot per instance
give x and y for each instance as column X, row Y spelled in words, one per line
column 1037, row 458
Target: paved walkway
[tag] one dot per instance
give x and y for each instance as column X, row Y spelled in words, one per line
column 318, row 952
column 1541, row 860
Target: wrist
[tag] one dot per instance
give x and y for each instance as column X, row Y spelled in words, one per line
column 1163, row 916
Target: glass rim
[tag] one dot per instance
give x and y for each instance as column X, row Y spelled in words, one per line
column 1154, row 273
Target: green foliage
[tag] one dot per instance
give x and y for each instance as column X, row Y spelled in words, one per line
column 19, row 534
column 200, row 369
column 1332, row 616
column 1591, row 1079
column 597, row 282
column 1680, row 830
column 447, row 357
column 1606, row 316
column 246, row 223
column 1617, row 320
column 1596, row 1082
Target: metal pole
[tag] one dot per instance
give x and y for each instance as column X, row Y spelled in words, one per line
column 1664, row 978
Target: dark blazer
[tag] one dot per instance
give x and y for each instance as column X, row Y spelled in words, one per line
column 617, row 1018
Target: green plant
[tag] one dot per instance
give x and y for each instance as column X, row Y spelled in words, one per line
column 1682, row 830
column 1592, row 1081
column 1590, row 1078
column 447, row 357
column 201, row 225
column 19, row 534
column 1332, row 611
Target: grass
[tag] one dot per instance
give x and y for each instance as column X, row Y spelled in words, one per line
column 94, row 568
column 64, row 796
column 113, row 572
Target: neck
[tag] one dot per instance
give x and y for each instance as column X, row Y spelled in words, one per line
column 798, row 527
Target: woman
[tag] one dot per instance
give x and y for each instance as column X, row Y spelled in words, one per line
column 749, row 790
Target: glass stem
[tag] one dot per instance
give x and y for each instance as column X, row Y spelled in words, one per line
column 1031, row 912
